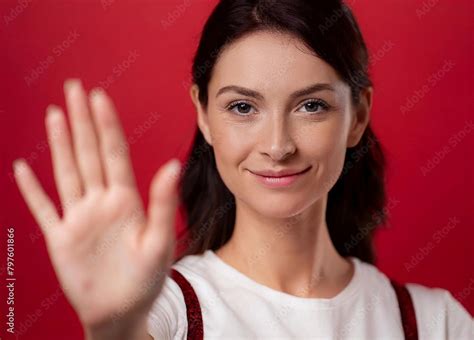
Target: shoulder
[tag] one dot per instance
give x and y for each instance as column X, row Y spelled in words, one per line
column 167, row 318
column 438, row 313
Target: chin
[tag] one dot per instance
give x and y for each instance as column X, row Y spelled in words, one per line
column 279, row 207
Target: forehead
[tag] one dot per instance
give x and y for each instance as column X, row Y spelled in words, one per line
column 269, row 60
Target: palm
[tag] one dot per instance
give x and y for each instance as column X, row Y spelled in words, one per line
column 102, row 273
column 109, row 255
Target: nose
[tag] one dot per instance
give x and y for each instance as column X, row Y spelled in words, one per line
column 277, row 142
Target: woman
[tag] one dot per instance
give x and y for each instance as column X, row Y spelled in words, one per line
column 283, row 189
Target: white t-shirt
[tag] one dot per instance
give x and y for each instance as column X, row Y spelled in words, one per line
column 233, row 306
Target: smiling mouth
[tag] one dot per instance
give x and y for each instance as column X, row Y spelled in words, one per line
column 280, row 181
column 270, row 175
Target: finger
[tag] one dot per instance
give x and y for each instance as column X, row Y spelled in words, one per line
column 112, row 143
column 65, row 170
column 84, row 136
column 37, row 200
column 164, row 200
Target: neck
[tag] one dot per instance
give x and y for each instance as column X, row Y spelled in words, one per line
column 294, row 255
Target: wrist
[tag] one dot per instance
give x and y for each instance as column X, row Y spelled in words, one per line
column 118, row 330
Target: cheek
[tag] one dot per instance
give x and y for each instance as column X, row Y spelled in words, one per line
column 231, row 147
column 324, row 142
column 325, row 148
column 320, row 144
column 231, row 142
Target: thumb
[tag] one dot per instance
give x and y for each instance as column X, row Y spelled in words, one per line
column 163, row 202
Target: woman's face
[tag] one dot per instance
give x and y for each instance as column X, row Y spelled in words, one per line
column 275, row 106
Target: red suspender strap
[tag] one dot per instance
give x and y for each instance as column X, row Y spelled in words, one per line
column 407, row 311
column 194, row 316
column 193, row 310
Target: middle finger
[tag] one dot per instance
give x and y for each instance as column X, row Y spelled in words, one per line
column 84, row 135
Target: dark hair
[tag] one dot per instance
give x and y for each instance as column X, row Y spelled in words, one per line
column 356, row 202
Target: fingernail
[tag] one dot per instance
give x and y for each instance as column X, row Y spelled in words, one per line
column 174, row 166
column 72, row 83
column 18, row 165
column 52, row 111
column 97, row 93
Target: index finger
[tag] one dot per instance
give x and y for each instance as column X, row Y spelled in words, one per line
column 112, row 142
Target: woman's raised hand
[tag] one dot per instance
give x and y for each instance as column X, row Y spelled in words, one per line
column 110, row 257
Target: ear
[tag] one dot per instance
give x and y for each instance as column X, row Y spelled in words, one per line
column 202, row 117
column 360, row 118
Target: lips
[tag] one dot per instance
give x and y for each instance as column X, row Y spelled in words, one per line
column 279, row 173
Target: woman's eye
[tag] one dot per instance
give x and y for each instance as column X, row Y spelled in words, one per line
column 241, row 108
column 315, row 106
column 311, row 106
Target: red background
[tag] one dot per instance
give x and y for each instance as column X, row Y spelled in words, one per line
column 141, row 52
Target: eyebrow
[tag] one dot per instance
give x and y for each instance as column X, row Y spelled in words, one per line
column 299, row 93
